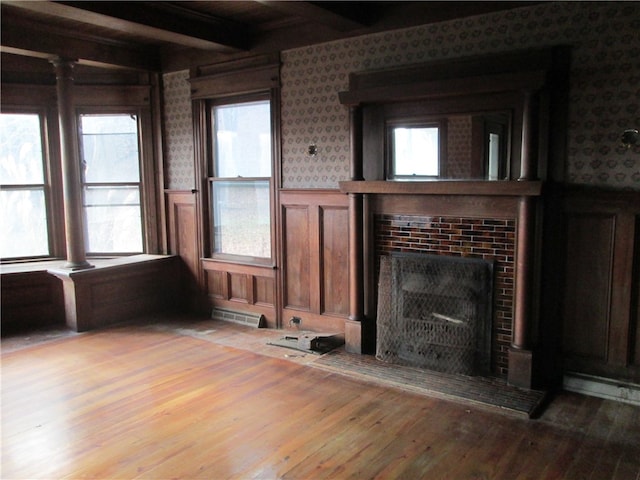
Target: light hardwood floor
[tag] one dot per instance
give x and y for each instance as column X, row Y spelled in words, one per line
column 139, row 402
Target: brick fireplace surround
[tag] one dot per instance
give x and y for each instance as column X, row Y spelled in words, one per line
column 490, row 239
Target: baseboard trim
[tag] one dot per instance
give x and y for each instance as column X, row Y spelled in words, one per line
column 607, row 388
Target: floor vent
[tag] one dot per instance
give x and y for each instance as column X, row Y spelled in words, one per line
column 243, row 318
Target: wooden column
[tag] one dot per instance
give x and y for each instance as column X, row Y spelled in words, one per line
column 353, row 326
column 520, row 354
column 71, row 179
column 529, row 160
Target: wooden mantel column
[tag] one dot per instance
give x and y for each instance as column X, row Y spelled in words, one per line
column 353, row 326
column 71, row 179
column 529, row 160
column 520, row 354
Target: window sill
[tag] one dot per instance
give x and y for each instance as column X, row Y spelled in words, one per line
column 59, row 265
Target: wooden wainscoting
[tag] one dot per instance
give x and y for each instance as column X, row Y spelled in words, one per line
column 119, row 289
column 310, row 280
column 244, row 288
column 602, row 285
column 183, row 241
column 31, row 299
column 315, row 265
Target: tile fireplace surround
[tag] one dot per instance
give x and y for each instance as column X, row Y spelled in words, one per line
column 489, row 239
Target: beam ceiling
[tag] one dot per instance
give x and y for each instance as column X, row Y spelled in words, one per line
column 172, row 35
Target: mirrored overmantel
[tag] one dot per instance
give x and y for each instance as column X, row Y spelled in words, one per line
column 497, row 117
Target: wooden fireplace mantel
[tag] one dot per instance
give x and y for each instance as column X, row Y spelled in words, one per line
column 519, row 200
column 532, row 85
column 445, row 187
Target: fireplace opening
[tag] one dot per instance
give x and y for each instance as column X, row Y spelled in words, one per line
column 434, row 312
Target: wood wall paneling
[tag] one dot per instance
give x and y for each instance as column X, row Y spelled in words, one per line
column 588, row 282
column 31, row 299
column 297, row 257
column 264, row 291
column 110, row 294
column 240, row 292
column 335, row 265
column 601, row 335
column 183, row 242
column 315, row 234
column 621, row 339
column 217, row 284
column 240, row 287
column 636, row 354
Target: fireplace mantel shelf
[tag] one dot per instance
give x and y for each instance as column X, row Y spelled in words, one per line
column 444, row 187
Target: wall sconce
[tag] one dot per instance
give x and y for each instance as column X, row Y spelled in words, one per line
column 629, row 138
column 312, row 150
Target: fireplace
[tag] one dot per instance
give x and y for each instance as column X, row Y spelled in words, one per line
column 434, row 312
column 461, row 238
column 495, row 221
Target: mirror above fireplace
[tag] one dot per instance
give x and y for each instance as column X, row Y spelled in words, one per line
column 482, row 118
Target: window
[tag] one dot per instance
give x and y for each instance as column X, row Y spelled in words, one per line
column 240, row 179
column 119, row 182
column 24, row 198
column 110, row 157
column 414, row 151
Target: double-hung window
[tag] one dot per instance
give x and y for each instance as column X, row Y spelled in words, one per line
column 240, row 179
column 24, row 188
column 118, row 173
column 111, row 181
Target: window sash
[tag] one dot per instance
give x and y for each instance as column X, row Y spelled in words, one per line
column 112, row 190
column 241, row 179
column 113, row 218
column 24, row 193
column 242, row 139
column 241, row 217
column 414, row 151
column 25, row 231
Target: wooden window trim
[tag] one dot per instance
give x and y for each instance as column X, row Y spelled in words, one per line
column 231, row 82
column 19, row 100
column 136, row 99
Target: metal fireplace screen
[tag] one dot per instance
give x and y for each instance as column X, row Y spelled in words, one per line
column 434, row 312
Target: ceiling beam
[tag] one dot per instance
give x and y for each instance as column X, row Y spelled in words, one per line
column 156, row 20
column 29, row 40
column 339, row 17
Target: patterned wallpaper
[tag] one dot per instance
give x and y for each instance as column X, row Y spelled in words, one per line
column 459, row 146
column 604, row 85
column 178, row 125
column 604, row 88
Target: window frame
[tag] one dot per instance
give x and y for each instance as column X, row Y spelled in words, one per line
column 129, row 100
column 140, row 184
column 52, row 177
column 391, row 125
column 27, row 98
column 211, row 178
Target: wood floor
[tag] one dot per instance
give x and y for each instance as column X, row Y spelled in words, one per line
column 138, row 402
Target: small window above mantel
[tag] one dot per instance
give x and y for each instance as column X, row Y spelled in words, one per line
column 502, row 114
